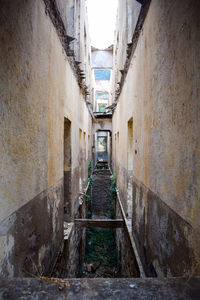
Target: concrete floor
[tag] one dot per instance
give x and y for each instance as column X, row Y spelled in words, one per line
column 100, row 289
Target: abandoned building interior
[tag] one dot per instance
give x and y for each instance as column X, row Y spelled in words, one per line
column 99, row 146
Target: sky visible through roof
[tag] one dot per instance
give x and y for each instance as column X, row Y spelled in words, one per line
column 102, row 20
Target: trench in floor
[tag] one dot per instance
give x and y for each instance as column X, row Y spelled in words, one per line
column 101, row 254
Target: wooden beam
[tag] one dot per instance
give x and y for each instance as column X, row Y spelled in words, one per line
column 103, row 223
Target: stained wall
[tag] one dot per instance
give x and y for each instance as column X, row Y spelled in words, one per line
column 39, row 87
column 160, row 93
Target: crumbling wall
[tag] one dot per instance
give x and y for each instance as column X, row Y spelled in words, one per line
column 127, row 263
column 38, row 88
column 161, row 93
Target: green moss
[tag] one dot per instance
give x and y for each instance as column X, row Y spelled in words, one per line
column 100, row 245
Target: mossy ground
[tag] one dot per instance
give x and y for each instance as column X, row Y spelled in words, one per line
column 100, row 245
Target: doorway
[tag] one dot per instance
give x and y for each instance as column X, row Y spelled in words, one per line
column 130, row 169
column 67, row 170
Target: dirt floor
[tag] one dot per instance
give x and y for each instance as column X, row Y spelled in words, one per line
column 101, row 255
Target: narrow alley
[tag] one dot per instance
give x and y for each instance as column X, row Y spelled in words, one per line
column 99, row 146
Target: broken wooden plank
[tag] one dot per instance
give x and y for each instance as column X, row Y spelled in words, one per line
column 103, row 223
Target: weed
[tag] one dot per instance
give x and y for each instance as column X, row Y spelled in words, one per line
column 89, row 168
column 113, row 185
column 113, row 176
column 88, row 198
column 91, row 180
column 100, row 245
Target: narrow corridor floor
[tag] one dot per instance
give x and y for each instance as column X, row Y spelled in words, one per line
column 102, row 203
column 101, row 254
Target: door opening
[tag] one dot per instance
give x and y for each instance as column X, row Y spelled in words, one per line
column 67, row 170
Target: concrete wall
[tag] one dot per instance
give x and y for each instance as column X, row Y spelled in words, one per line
column 160, row 93
column 127, row 263
column 127, row 17
column 102, row 59
column 39, row 88
column 103, row 124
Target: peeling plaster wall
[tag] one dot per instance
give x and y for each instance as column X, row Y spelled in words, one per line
column 127, row 263
column 38, row 88
column 102, row 59
column 161, row 94
column 102, row 125
column 127, row 17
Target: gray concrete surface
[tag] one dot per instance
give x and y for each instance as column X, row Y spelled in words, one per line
column 98, row 289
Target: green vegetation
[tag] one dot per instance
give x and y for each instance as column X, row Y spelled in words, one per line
column 89, row 168
column 113, row 185
column 100, row 242
column 113, row 176
column 111, row 210
column 100, row 245
column 88, row 198
column 91, row 181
